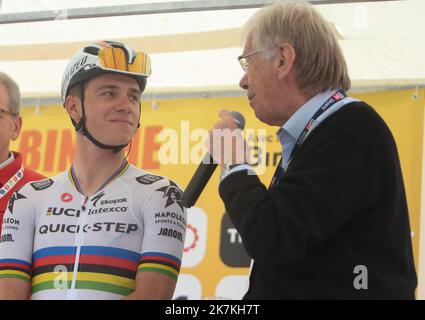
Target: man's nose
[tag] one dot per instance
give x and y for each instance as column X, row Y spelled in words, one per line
column 243, row 83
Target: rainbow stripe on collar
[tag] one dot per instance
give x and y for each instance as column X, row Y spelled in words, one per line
column 119, row 172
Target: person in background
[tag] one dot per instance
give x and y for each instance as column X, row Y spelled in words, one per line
column 13, row 175
column 333, row 223
column 104, row 229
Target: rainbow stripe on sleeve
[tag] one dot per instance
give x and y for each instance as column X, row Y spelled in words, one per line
column 14, row 268
column 160, row 262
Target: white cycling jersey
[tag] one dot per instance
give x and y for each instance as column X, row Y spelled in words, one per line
column 75, row 247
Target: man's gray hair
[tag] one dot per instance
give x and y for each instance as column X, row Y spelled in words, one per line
column 13, row 91
column 320, row 63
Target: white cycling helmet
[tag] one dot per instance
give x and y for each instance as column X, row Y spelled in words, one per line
column 105, row 57
column 100, row 58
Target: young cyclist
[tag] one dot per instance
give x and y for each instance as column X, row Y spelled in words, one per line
column 104, row 229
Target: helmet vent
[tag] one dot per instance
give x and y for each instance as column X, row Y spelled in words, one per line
column 91, row 50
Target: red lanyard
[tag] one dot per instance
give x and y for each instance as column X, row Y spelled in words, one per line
column 337, row 96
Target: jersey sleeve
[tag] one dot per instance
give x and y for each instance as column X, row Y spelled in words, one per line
column 164, row 220
column 17, row 234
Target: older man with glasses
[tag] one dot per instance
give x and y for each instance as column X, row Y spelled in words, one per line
column 333, row 222
column 12, row 173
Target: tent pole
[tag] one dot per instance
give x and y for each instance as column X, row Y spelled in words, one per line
column 146, row 8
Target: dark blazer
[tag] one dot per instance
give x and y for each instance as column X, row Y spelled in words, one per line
column 336, row 226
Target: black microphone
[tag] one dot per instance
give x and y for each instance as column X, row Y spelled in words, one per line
column 205, row 170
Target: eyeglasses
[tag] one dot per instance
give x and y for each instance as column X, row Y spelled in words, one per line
column 114, row 58
column 3, row 113
column 244, row 61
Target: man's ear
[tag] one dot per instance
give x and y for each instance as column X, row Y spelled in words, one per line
column 73, row 107
column 286, row 61
column 17, row 125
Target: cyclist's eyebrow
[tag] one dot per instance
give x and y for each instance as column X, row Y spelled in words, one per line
column 135, row 91
column 107, row 86
column 114, row 87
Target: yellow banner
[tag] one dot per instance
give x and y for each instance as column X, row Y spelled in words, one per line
column 48, row 144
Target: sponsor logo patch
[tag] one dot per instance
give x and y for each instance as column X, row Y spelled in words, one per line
column 173, row 194
column 15, row 197
column 66, row 197
column 171, row 233
column 7, row 237
column 41, row 185
column 148, row 179
column 96, row 227
column 97, row 198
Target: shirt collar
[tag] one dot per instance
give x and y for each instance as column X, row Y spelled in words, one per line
column 297, row 122
column 8, row 161
column 10, row 169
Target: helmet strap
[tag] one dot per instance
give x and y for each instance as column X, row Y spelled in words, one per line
column 140, row 114
column 81, row 127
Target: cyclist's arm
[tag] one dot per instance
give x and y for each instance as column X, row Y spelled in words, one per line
column 163, row 243
column 13, row 289
column 16, row 245
column 152, row 286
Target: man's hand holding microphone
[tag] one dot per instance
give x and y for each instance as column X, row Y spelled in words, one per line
column 226, row 147
column 226, row 144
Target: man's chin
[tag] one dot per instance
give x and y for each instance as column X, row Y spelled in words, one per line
column 117, row 142
column 262, row 118
column 258, row 114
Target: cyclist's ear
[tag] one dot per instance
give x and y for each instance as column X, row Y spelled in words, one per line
column 73, row 107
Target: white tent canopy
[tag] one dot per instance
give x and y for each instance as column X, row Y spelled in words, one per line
column 383, row 42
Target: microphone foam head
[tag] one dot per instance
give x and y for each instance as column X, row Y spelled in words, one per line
column 239, row 119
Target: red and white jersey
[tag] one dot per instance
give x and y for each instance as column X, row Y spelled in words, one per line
column 12, row 177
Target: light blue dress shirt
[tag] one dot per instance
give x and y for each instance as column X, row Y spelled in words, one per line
column 288, row 134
